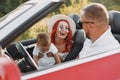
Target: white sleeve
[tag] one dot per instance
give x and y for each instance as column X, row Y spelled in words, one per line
column 36, row 50
column 53, row 48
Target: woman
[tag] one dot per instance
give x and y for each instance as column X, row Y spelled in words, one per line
column 62, row 28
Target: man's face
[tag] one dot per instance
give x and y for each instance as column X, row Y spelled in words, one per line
column 86, row 23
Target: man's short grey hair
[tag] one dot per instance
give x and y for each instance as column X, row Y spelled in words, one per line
column 96, row 11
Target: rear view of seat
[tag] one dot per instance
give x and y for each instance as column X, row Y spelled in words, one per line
column 75, row 17
column 78, row 40
column 114, row 22
column 77, row 45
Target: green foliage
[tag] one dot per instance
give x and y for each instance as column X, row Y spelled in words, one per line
column 71, row 6
column 1, row 14
column 110, row 4
column 75, row 7
column 8, row 5
column 41, row 26
column 116, row 1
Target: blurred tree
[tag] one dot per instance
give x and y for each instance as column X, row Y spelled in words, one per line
column 116, row 1
column 2, row 8
column 8, row 5
column 71, row 6
column 110, row 4
column 68, row 2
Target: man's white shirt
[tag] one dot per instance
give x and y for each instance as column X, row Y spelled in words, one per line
column 104, row 43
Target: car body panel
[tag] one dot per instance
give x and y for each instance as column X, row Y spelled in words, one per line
column 98, row 67
column 8, row 69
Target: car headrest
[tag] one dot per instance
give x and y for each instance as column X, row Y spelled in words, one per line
column 79, row 37
column 75, row 18
column 114, row 21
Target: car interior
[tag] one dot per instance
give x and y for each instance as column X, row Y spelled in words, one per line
column 114, row 18
column 21, row 52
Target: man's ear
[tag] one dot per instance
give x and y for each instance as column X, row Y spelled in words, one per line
column 91, row 26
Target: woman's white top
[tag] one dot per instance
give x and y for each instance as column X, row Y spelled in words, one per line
column 63, row 55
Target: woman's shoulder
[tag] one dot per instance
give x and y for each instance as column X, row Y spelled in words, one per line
column 52, row 44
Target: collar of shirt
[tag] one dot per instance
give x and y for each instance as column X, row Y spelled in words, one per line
column 101, row 40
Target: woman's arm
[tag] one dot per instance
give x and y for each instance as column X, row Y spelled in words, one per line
column 57, row 58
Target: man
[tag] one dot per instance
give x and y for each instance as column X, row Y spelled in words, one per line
column 95, row 22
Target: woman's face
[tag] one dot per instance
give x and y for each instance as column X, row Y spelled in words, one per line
column 62, row 29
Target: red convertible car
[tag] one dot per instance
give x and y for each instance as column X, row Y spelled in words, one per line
column 18, row 63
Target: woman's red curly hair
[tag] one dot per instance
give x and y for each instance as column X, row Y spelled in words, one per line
column 68, row 38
